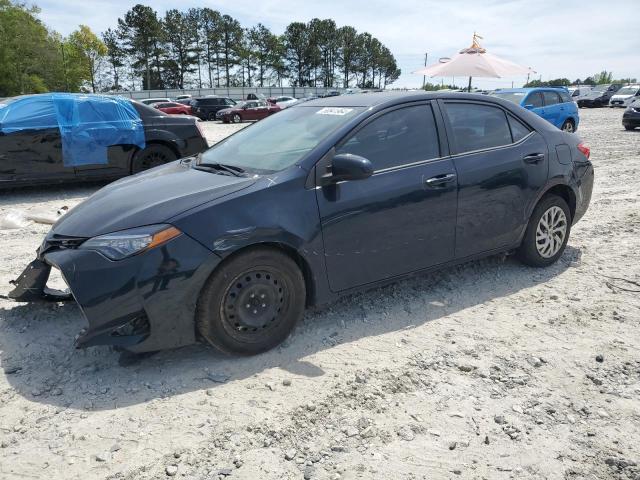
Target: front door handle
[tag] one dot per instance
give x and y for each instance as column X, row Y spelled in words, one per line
column 440, row 180
column 534, row 158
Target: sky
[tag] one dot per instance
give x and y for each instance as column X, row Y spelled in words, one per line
column 567, row 38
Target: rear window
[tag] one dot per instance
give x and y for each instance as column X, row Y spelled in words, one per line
column 477, row 127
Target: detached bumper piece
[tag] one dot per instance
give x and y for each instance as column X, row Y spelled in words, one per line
column 31, row 285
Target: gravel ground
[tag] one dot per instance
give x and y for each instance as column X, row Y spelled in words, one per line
column 490, row 370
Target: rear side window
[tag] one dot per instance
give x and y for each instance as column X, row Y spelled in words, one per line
column 518, row 129
column 551, row 98
column 476, row 127
column 396, row 138
column 565, row 97
column 534, row 99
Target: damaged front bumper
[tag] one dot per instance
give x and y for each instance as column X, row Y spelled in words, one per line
column 145, row 302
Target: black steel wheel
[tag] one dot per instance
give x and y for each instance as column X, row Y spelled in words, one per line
column 252, row 302
column 152, row 156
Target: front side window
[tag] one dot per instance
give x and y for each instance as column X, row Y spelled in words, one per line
column 396, row 138
column 535, row 99
column 476, row 127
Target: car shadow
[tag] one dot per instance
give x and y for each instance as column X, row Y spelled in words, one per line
column 41, row 364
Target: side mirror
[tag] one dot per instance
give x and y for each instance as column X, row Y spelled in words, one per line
column 346, row 166
column 528, row 106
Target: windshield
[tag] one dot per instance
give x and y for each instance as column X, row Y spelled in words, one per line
column 627, row 91
column 280, row 140
column 515, row 97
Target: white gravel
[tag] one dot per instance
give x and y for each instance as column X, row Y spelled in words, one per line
column 487, row 370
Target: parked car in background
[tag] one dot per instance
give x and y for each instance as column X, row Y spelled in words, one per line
column 321, row 200
column 184, row 96
column 624, row 96
column 151, row 101
column 552, row 104
column 174, row 108
column 249, row 110
column 599, row 95
column 56, row 137
column 207, row 107
column 331, row 93
column 184, row 101
column 256, row 96
column 579, row 91
column 283, row 101
column 631, row 116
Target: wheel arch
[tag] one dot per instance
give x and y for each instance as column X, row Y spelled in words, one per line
column 292, row 253
column 563, row 191
column 165, row 143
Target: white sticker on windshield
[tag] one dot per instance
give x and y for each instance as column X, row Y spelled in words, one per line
column 334, row 111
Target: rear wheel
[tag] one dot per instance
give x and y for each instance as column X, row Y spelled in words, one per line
column 629, row 127
column 152, row 156
column 211, row 117
column 568, row 126
column 252, row 302
column 547, row 233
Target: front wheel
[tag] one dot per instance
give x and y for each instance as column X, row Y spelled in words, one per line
column 547, row 233
column 237, row 118
column 252, row 302
column 629, row 127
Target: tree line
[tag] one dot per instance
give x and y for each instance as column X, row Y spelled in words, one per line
column 195, row 48
column 603, row 77
column 201, row 47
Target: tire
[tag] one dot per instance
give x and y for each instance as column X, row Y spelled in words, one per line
column 237, row 118
column 568, row 126
column 211, row 116
column 535, row 253
column 152, row 156
column 629, row 127
column 252, row 302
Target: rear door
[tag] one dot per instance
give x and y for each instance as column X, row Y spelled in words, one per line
column 402, row 218
column 501, row 164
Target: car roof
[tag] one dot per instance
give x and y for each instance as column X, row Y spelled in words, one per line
column 528, row 89
column 391, row 98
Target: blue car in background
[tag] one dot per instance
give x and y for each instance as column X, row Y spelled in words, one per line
column 552, row 104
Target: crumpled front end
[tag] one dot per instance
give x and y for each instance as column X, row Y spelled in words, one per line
column 145, row 302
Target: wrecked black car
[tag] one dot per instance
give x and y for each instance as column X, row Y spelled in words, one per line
column 321, row 200
column 63, row 137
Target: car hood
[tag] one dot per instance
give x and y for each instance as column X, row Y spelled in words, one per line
column 147, row 198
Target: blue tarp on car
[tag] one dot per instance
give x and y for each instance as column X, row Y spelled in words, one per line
column 88, row 124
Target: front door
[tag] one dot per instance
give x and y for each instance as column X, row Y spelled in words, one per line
column 502, row 164
column 402, row 218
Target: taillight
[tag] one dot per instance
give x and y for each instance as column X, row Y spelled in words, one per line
column 584, row 149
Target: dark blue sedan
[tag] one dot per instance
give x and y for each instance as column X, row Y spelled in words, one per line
column 325, row 198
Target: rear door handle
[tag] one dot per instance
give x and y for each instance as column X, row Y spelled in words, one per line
column 534, row 158
column 440, row 180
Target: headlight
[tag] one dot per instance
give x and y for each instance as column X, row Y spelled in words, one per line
column 119, row 245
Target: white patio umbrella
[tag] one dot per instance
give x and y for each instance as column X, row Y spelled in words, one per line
column 475, row 62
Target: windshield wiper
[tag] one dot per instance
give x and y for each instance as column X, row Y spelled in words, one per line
column 231, row 169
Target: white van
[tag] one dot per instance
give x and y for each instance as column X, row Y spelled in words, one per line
column 625, row 96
